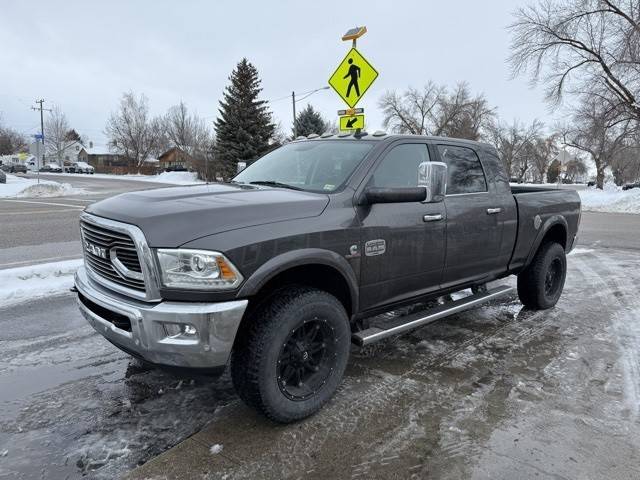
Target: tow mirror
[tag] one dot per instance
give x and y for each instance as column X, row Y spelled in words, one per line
column 374, row 195
column 433, row 176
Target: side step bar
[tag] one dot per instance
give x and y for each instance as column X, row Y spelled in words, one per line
column 418, row 319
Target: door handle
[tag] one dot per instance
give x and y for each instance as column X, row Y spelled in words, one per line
column 432, row 218
column 493, row 211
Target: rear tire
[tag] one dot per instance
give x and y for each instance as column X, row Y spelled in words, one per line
column 291, row 355
column 540, row 284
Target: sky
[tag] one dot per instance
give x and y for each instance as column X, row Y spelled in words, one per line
column 81, row 56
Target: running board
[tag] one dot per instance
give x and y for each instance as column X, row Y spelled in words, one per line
column 418, row 319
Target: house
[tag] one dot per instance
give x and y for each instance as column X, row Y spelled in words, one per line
column 175, row 159
column 101, row 158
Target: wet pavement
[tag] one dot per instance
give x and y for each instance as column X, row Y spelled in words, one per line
column 496, row 392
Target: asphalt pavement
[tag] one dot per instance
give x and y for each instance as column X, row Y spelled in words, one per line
column 37, row 230
column 497, row 392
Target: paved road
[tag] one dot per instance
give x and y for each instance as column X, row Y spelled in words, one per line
column 36, row 230
column 498, row 392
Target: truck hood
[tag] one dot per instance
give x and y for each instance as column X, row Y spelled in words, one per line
column 170, row 217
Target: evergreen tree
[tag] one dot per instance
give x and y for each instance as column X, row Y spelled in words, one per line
column 310, row 121
column 244, row 127
column 554, row 171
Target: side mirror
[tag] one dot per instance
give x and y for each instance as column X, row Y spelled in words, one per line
column 433, row 176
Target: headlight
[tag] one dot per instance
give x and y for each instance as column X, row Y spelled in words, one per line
column 198, row 269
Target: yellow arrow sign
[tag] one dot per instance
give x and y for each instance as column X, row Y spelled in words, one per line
column 353, row 77
column 351, row 122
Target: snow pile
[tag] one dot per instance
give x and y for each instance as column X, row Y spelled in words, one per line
column 176, row 178
column 26, row 283
column 612, row 199
column 28, row 187
column 215, row 449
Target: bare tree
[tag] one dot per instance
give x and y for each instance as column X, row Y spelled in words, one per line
column 59, row 138
column 594, row 132
column 11, row 141
column 189, row 133
column 573, row 170
column 186, row 131
column 516, row 145
column 625, row 164
column 546, row 150
column 582, row 46
column 131, row 130
column 435, row 111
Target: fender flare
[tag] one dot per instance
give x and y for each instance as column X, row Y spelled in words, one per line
column 297, row 258
column 549, row 223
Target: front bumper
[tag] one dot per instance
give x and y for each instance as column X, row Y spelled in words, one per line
column 216, row 325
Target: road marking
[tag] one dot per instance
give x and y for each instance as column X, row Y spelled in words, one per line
column 45, row 203
column 39, row 260
column 81, row 199
column 27, row 212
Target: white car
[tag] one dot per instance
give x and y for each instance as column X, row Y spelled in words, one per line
column 82, row 167
column 51, row 167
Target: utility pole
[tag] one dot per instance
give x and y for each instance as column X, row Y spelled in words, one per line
column 293, row 103
column 40, row 102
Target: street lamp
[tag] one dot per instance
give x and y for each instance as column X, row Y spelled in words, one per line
column 293, row 104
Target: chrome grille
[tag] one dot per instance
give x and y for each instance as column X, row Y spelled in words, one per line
column 121, row 245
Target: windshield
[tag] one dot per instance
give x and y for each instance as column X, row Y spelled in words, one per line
column 317, row 166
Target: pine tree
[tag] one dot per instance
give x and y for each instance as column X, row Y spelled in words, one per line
column 310, row 121
column 244, row 127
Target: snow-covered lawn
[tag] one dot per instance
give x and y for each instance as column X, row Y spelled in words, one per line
column 29, row 187
column 175, row 178
column 26, row 283
column 612, row 199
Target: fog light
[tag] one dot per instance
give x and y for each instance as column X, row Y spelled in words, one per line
column 175, row 330
column 190, row 330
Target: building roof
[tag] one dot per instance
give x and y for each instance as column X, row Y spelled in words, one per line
column 98, row 151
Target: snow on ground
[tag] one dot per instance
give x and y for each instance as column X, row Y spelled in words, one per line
column 29, row 187
column 26, row 283
column 176, row 178
column 612, row 199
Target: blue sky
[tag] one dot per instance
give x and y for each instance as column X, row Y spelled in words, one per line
column 81, row 56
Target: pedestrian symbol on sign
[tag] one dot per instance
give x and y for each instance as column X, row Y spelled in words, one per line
column 354, row 73
column 353, row 77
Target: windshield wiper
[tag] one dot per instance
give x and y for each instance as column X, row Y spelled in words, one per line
column 273, row 183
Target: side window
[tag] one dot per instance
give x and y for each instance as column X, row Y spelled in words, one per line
column 464, row 170
column 399, row 168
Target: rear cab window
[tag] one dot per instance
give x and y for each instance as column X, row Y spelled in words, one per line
column 464, row 170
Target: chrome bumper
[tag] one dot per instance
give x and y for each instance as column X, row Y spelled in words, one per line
column 216, row 325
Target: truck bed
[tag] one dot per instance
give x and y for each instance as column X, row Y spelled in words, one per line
column 549, row 204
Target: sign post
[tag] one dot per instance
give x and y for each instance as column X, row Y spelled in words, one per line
column 351, row 80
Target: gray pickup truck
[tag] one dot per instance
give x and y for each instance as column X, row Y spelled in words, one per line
column 278, row 271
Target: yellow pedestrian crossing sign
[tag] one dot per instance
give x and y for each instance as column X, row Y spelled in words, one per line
column 353, row 77
column 351, row 122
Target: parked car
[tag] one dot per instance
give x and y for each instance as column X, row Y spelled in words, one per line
column 281, row 269
column 14, row 168
column 51, row 167
column 629, row 186
column 176, row 168
column 80, row 167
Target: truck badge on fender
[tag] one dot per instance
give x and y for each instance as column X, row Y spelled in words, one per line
column 375, row 247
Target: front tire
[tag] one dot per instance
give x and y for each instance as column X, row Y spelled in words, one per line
column 291, row 356
column 540, row 284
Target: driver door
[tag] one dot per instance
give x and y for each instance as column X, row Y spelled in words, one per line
column 403, row 244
